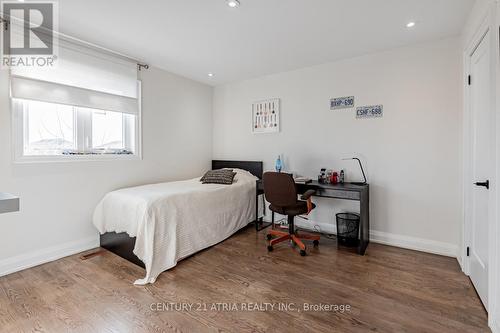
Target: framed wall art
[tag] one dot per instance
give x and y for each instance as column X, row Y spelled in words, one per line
column 266, row 116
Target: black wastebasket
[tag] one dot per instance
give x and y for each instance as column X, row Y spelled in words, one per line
column 347, row 229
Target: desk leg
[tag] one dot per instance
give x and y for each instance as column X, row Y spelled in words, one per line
column 259, row 222
column 257, row 212
column 364, row 222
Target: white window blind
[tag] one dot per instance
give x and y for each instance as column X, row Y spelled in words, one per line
column 82, row 77
column 44, row 91
column 86, row 107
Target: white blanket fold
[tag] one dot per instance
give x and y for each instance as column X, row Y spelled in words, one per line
column 174, row 220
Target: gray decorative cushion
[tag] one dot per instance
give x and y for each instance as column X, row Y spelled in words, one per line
column 213, row 172
column 222, row 176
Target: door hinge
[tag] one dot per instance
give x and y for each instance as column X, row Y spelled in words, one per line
column 468, row 251
column 469, row 80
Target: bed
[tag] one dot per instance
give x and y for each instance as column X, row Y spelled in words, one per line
column 157, row 225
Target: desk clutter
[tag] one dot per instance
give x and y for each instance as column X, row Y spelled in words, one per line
column 302, row 180
column 331, row 177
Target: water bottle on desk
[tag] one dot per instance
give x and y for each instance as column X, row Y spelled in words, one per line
column 278, row 165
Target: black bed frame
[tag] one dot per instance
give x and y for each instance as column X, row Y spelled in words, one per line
column 123, row 245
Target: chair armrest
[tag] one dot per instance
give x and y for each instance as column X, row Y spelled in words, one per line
column 307, row 194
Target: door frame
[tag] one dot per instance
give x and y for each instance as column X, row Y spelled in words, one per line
column 489, row 24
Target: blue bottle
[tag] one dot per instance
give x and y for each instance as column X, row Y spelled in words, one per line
column 278, row 165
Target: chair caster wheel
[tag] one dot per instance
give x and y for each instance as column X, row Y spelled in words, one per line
column 316, row 242
column 269, row 248
column 302, row 253
column 269, row 237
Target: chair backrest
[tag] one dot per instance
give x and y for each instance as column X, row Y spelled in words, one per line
column 279, row 189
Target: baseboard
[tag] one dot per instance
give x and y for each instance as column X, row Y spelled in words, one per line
column 406, row 242
column 24, row 261
column 28, row 260
column 495, row 327
column 413, row 243
column 460, row 262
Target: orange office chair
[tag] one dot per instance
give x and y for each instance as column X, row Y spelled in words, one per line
column 281, row 193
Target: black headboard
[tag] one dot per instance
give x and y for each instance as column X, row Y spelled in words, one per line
column 255, row 168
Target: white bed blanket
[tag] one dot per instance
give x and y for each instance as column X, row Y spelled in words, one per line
column 174, row 220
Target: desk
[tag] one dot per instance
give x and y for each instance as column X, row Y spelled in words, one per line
column 345, row 191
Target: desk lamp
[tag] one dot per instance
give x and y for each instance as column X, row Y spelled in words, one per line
column 362, row 171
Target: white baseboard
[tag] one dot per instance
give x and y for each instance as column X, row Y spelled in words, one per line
column 406, row 242
column 495, row 327
column 460, row 262
column 413, row 243
column 28, row 260
column 24, row 261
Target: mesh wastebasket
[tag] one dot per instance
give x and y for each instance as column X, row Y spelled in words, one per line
column 347, row 229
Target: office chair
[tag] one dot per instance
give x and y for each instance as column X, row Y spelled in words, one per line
column 280, row 192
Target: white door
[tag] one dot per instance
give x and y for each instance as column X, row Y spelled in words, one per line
column 482, row 148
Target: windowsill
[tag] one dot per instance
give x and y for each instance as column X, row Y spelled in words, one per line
column 75, row 158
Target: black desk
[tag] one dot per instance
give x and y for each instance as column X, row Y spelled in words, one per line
column 345, row 191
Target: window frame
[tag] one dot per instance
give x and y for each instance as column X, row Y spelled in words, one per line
column 83, row 125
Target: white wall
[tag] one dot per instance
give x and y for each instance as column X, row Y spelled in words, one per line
column 412, row 154
column 57, row 199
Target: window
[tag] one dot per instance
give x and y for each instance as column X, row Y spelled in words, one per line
column 108, row 130
column 49, row 128
column 60, row 130
column 87, row 107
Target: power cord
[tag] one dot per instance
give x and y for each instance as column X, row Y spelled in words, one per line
column 317, row 229
column 282, row 222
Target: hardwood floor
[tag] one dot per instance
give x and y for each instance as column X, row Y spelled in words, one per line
column 388, row 290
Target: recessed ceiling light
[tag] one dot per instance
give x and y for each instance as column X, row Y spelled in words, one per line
column 410, row 24
column 210, row 74
column 233, row 3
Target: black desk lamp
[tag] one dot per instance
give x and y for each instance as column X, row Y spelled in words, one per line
column 362, row 171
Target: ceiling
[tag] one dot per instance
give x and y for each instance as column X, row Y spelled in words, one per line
column 195, row 37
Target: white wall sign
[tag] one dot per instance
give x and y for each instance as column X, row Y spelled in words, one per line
column 266, row 116
column 342, row 103
column 373, row 111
